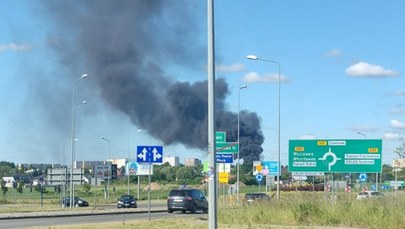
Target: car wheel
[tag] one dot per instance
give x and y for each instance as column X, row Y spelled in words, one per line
column 194, row 209
column 183, row 211
column 169, row 210
column 205, row 210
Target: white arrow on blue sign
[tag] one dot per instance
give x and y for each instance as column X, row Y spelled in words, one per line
column 149, row 154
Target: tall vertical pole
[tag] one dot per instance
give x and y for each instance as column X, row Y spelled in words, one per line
column 127, row 167
column 139, row 188
column 109, row 173
column 279, row 131
column 71, row 196
column 71, row 202
column 212, row 173
column 253, row 57
column 150, row 171
column 238, row 158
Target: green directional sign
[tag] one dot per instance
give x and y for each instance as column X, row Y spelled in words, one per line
column 220, row 136
column 227, row 147
column 335, row 156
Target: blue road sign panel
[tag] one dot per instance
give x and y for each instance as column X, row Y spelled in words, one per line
column 259, row 177
column 224, row 157
column 363, row 177
column 271, row 166
column 149, row 154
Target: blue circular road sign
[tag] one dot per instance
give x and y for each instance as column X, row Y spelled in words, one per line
column 259, row 177
column 363, row 177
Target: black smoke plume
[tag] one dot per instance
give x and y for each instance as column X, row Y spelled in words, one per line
column 127, row 45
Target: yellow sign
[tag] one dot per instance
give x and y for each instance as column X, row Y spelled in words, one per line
column 322, row 143
column 259, row 168
column 223, row 177
column 223, row 180
column 373, row 150
column 299, row 148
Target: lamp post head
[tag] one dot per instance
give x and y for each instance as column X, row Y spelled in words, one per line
column 243, row 86
column 252, row 57
column 105, row 139
column 84, row 76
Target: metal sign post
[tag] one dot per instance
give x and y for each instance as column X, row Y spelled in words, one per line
column 149, row 154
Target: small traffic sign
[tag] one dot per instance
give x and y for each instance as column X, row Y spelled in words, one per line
column 224, row 157
column 373, row 187
column 259, row 177
column 363, row 177
column 227, row 147
column 220, row 136
column 149, row 154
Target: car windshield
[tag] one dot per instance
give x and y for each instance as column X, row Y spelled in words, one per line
column 127, row 197
column 178, row 193
column 377, row 194
column 256, row 195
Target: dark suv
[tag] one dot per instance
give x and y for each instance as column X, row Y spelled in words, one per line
column 186, row 200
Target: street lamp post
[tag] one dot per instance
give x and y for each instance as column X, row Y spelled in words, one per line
column 74, row 136
column 238, row 157
column 109, row 172
column 253, row 57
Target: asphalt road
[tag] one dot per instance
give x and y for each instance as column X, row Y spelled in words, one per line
column 86, row 219
column 86, row 215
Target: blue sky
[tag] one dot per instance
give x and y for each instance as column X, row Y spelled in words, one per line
column 341, row 67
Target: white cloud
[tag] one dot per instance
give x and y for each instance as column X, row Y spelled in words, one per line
column 254, row 77
column 230, row 68
column 399, row 109
column 333, row 53
column 363, row 69
column 362, row 129
column 396, row 93
column 307, row 136
column 397, row 124
column 392, row 136
column 14, row 47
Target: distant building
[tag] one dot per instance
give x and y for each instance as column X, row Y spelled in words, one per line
column 119, row 162
column 172, row 160
column 86, row 164
column 192, row 162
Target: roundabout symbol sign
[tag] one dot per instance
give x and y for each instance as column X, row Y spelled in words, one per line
column 259, row 177
column 363, row 177
column 334, row 158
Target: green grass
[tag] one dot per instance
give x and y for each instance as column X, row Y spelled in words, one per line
column 304, row 208
column 300, row 209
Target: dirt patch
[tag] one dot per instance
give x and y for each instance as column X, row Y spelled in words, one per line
column 153, row 187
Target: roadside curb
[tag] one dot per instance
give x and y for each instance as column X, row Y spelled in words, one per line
column 72, row 214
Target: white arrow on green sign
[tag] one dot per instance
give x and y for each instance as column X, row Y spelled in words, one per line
column 227, row 147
